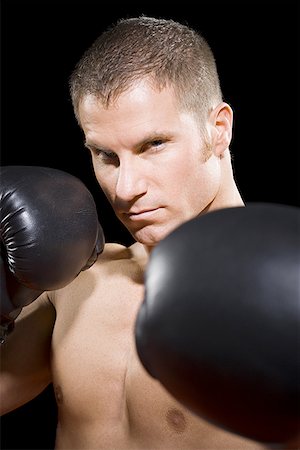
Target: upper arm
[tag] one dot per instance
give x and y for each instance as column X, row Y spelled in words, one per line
column 25, row 357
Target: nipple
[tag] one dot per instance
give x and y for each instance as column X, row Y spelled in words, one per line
column 176, row 420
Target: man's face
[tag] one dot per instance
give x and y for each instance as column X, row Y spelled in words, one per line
column 150, row 159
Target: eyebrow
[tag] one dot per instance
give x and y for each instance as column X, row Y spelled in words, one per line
column 150, row 137
column 91, row 145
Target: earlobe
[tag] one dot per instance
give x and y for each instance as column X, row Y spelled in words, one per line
column 222, row 120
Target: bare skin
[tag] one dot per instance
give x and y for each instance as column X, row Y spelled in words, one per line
column 157, row 171
column 149, row 155
column 105, row 398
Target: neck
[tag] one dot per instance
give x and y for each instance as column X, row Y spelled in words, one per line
column 140, row 253
column 228, row 195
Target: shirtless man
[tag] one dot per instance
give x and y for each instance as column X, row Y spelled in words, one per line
column 148, row 99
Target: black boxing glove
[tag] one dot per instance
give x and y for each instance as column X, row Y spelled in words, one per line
column 219, row 326
column 49, row 233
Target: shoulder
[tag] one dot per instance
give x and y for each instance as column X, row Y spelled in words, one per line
column 118, row 261
column 114, row 263
column 113, row 252
column 113, row 256
column 119, row 253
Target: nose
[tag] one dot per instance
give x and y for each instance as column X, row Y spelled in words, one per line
column 131, row 181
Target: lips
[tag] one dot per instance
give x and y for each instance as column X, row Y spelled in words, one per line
column 141, row 211
column 142, row 214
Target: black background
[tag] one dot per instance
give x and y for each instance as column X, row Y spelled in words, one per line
column 257, row 52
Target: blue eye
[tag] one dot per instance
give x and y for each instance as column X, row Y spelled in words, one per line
column 154, row 145
column 107, row 155
column 104, row 156
column 102, row 153
column 157, row 143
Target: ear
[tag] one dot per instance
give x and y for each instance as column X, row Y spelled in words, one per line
column 221, row 121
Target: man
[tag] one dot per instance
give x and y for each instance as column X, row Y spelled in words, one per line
column 147, row 97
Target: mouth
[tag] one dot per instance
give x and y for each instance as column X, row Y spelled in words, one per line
column 143, row 214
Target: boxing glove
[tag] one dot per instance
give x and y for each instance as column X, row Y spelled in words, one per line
column 219, row 325
column 49, row 233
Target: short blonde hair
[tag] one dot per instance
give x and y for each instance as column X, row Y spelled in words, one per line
column 166, row 52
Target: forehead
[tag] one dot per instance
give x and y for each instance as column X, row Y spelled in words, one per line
column 141, row 100
column 140, row 110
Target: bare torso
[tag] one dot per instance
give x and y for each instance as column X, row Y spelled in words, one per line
column 105, row 398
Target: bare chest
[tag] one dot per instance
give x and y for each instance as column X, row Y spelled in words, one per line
column 104, row 395
column 91, row 346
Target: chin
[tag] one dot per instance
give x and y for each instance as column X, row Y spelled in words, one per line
column 151, row 236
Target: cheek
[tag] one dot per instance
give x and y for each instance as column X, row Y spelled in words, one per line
column 209, row 175
column 196, row 184
column 192, row 174
column 173, row 173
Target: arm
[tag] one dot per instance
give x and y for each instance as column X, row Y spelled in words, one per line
column 25, row 357
column 219, row 325
column 49, row 234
